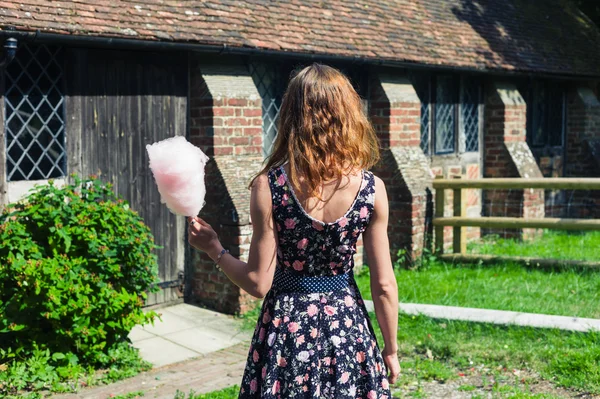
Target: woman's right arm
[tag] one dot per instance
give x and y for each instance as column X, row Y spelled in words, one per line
column 384, row 288
column 256, row 275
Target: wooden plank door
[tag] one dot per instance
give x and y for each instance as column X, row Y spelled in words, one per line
column 117, row 103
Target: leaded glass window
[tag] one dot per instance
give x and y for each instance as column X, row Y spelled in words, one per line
column 445, row 115
column 270, row 85
column 425, row 127
column 450, row 107
column 422, row 85
column 469, row 113
column 34, row 114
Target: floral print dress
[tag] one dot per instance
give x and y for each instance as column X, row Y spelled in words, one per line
column 321, row 344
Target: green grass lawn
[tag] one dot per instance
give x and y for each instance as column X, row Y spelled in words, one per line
column 444, row 350
column 507, row 286
column 227, row 393
column 552, row 245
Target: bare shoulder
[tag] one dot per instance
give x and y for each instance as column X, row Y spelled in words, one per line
column 261, row 183
column 261, row 203
column 378, row 181
column 260, row 198
column 379, row 185
column 381, row 206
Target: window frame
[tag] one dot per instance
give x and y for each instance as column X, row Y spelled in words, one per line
column 454, row 114
column 460, row 134
column 258, row 69
column 531, row 92
column 57, row 137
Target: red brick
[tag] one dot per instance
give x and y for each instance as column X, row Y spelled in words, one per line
column 223, row 150
column 253, row 131
column 238, row 141
column 237, row 102
column 220, row 111
column 254, row 112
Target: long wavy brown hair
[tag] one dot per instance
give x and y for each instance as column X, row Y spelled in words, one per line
column 323, row 131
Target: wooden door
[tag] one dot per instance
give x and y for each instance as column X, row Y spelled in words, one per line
column 117, row 103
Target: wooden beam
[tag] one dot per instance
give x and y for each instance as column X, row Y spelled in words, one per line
column 518, row 223
column 459, row 236
column 525, row 260
column 3, row 150
column 74, row 108
column 440, row 202
column 520, row 183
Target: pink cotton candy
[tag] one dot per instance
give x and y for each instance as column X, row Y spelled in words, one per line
column 178, row 169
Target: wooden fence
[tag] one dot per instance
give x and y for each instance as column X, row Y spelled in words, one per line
column 459, row 221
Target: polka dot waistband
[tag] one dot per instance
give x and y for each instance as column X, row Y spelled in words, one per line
column 287, row 282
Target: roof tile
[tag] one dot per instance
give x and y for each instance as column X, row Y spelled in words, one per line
column 546, row 36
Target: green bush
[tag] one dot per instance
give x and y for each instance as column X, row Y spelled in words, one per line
column 75, row 265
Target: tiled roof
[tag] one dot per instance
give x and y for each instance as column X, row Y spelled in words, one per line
column 518, row 35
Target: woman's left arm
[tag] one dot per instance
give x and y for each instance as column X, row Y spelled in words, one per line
column 256, row 276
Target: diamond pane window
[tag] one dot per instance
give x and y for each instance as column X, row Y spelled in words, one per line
column 422, row 84
column 425, row 126
column 469, row 112
column 269, row 83
column 34, row 114
column 445, row 116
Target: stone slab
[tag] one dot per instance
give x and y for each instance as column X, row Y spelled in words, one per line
column 168, row 323
column 138, row 334
column 194, row 313
column 504, row 317
column 160, row 351
column 190, row 328
column 201, row 340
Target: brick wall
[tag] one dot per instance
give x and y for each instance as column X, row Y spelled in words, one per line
column 395, row 112
column 583, row 145
column 583, row 126
column 226, row 123
column 225, row 110
column 508, row 155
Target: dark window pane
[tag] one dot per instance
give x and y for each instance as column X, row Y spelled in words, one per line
column 538, row 114
column 555, row 114
column 545, row 114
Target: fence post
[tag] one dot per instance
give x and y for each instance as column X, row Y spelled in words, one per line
column 440, row 203
column 459, row 234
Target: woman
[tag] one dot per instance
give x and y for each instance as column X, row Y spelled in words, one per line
column 309, row 206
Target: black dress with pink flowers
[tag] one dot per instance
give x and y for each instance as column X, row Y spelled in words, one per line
column 316, row 344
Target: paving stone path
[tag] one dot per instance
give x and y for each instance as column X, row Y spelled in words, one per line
column 214, row 371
